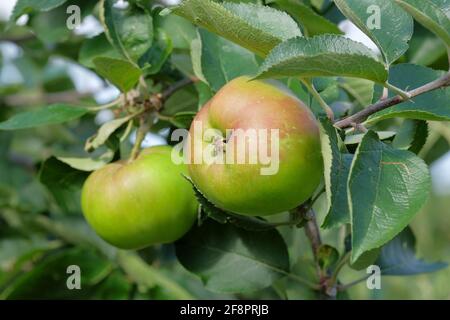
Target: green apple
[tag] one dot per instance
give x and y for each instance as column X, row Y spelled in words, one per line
column 134, row 204
column 243, row 187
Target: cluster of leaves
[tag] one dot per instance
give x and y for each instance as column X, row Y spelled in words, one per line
column 375, row 182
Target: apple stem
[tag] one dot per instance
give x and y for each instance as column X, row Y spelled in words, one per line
column 140, row 136
column 312, row 90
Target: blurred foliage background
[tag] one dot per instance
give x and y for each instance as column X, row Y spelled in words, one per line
column 42, row 230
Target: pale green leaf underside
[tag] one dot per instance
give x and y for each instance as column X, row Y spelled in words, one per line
column 88, row 164
column 386, row 188
column 105, row 131
column 434, row 15
column 395, row 26
column 323, row 55
column 336, row 169
column 257, row 28
column 53, row 114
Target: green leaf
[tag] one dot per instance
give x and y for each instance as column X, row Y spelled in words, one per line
column 130, row 30
column 428, row 106
column 220, row 60
column 336, row 169
column 51, row 274
column 53, row 114
column 51, row 26
column 360, row 89
column 153, row 60
column 121, row 73
column 312, row 23
column 14, row 249
column 324, row 55
column 257, row 28
column 180, row 31
column 105, row 131
column 366, row 259
column 304, row 268
column 97, row 46
column 116, row 286
column 29, row 6
column 327, row 256
column 433, row 15
column 229, row 259
column 383, row 21
column 184, row 100
column 183, row 119
column 398, row 257
column 426, row 50
column 386, row 188
column 64, row 183
column 412, row 136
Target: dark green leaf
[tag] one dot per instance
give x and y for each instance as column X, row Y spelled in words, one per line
column 324, row 55
column 51, row 274
column 184, row 100
column 130, row 30
column 312, row 23
column 53, row 114
column 412, row 136
column 387, row 187
column 398, row 257
column 230, row 259
column 257, row 28
column 64, row 183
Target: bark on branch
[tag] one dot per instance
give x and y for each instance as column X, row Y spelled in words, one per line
column 383, row 104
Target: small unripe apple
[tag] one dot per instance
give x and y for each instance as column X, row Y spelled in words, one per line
column 134, row 204
column 244, row 188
